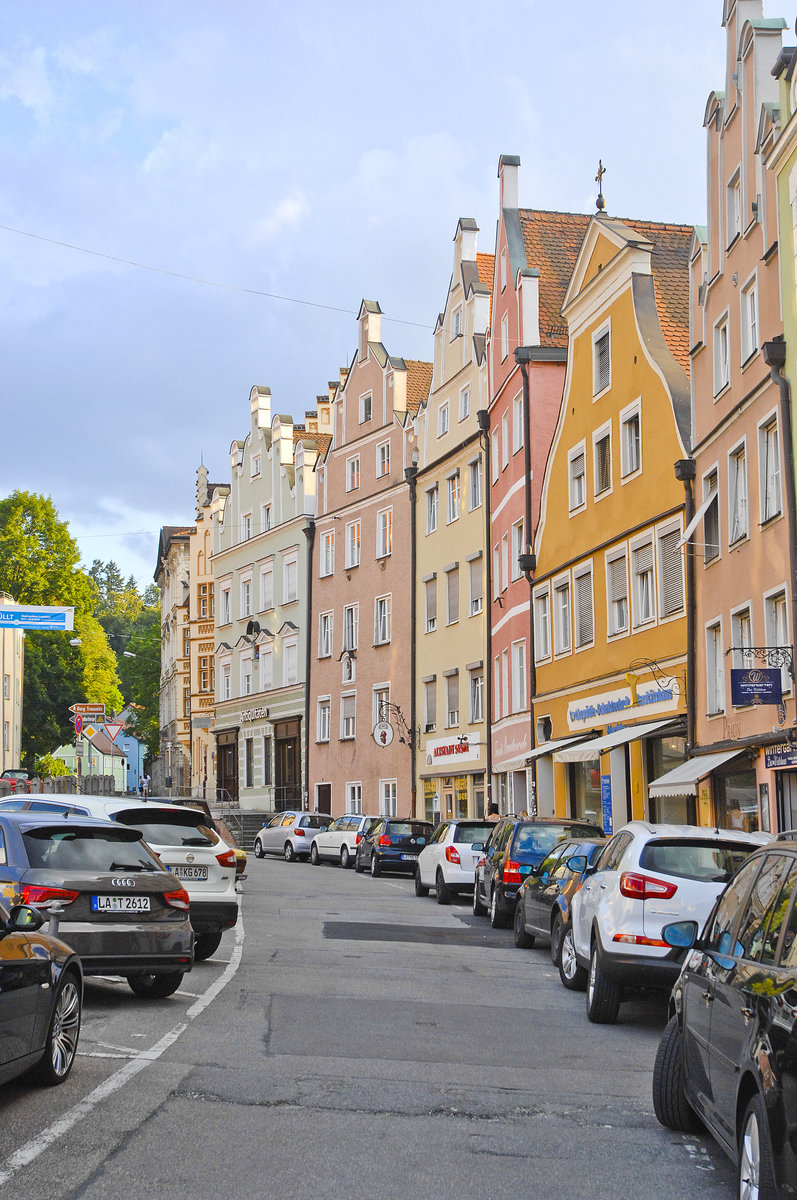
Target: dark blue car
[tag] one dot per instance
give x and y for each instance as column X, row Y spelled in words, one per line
column 392, row 844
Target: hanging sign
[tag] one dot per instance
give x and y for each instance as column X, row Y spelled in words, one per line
column 756, row 685
column 36, row 616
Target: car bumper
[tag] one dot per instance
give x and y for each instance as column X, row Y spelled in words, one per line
column 394, row 862
column 121, row 951
column 640, row 970
column 212, row 916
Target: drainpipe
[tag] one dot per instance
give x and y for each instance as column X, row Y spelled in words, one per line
column 309, row 533
column 685, row 470
column 527, row 562
column 775, row 358
column 483, row 418
column 410, row 475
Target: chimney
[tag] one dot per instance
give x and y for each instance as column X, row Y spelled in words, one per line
column 508, row 174
column 465, row 239
column 260, row 407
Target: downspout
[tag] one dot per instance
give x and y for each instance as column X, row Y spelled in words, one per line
column 527, row 561
column 410, row 474
column 685, row 470
column 483, row 418
column 309, row 533
column 775, row 358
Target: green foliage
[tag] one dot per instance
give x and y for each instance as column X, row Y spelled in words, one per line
column 48, row 767
column 141, row 678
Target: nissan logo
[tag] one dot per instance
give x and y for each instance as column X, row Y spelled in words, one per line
column 123, row 882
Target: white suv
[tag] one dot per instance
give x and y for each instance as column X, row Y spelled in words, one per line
column 338, row 843
column 448, row 862
column 646, row 877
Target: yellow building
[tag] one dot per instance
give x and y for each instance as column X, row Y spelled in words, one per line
column 449, row 514
column 610, row 597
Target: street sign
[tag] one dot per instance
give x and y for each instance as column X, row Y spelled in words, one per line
column 89, row 731
column 88, row 710
column 113, row 729
column 36, row 616
column 383, row 733
column 78, row 724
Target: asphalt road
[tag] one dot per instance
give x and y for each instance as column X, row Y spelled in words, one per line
column 349, row 1040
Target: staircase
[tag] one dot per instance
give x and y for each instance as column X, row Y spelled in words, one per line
column 245, row 825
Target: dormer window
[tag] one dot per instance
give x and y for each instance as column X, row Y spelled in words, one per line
column 365, row 408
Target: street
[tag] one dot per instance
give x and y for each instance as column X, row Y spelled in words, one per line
column 351, row 1040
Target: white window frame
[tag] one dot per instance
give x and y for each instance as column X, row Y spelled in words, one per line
column 738, row 506
column 353, row 543
column 452, row 497
column 583, row 639
column 518, row 547
column 323, row 719
column 519, row 690
column 599, row 437
column 777, row 628
column 326, row 622
column 432, row 508
column 576, row 504
column 464, row 402
column 452, row 594
column 452, row 694
column 266, row 668
column 475, row 695
column 669, row 533
column 505, row 440
column 749, row 318
column 351, row 626
column 247, row 675
column 388, row 797
column 225, row 607
column 599, row 387
column 430, row 590
column 474, row 484
column 715, row 668
column 348, row 721
column 456, row 323
column 517, row 423
column 430, row 704
column 741, row 634
column 475, row 586
column 290, row 573
column 245, row 589
column 618, row 606
column 542, row 624
column 711, row 477
column 384, row 533
column 562, row 606
column 642, row 592
column 354, row 797
column 327, row 556
column 352, row 473
column 770, row 495
column 505, row 337
column 382, row 459
column 443, row 421
column 721, row 345
column 266, row 587
column 365, row 407
column 733, row 206
column 290, row 661
column 382, row 619
column 630, row 448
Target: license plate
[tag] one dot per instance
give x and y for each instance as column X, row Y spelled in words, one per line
column 120, row 903
column 190, row 872
column 413, row 857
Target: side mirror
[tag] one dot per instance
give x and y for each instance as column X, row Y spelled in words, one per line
column 577, row 864
column 477, row 846
column 681, row 935
column 24, row 919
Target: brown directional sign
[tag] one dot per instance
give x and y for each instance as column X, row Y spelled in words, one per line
column 88, row 710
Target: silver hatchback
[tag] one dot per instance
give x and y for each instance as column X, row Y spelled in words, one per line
column 290, row 834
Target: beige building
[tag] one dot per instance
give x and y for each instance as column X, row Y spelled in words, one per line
column 450, row 533
column 12, row 662
column 171, row 770
column 201, row 609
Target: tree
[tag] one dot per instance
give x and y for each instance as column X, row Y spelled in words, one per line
column 141, row 678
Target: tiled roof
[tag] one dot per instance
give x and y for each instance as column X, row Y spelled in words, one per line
column 486, row 265
column 552, row 241
column 419, row 380
column 322, row 440
column 670, row 261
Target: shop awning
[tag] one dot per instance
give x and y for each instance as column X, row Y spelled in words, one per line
column 683, row 780
column 630, row 733
column 556, row 744
column 511, row 764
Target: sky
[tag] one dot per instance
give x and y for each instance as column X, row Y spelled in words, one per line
column 318, row 153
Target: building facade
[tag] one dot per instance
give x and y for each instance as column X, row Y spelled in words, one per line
column 202, row 650
column 12, row 665
column 171, row 769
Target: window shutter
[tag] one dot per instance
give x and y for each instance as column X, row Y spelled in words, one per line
column 584, row 631
column 643, row 559
column 602, row 352
column 618, row 583
column 672, row 592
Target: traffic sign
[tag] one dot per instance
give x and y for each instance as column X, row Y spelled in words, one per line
column 89, row 731
column 78, row 724
column 113, row 729
column 88, row 710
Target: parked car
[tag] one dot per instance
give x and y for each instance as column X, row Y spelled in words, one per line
column 392, row 844
column 727, row 1056
column 338, row 842
column 18, row 773
column 448, row 862
column 290, row 834
column 41, row 998
column 515, row 846
column 542, row 909
column 646, row 876
column 114, row 903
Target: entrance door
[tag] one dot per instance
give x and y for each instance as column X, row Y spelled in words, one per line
column 228, row 771
column 287, row 765
column 786, row 785
column 323, row 797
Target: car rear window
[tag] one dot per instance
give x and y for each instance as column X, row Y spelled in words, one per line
column 97, row 850
column 408, row 829
column 468, row 834
column 692, row 858
column 174, row 833
column 541, row 839
column 315, row 821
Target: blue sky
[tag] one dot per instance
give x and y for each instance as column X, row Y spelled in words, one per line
column 318, row 152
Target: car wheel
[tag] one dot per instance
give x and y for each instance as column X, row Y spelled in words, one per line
column 755, row 1179
column 60, row 1046
column 376, row 866
column 497, row 918
column 669, row 1098
column 479, row 909
column 156, row 987
column 572, row 975
column 556, row 939
column 259, row 851
column 420, row 888
column 206, row 944
column 358, row 864
column 345, row 857
column 523, row 940
column 288, row 852
column 314, row 859
column 444, row 892
column 603, row 995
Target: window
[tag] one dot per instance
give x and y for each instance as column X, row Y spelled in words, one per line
column 644, row 596
column 734, row 208
column 328, row 553
column 518, row 677
column 453, row 497
column 769, row 469
column 384, row 533
column 722, row 362
column 749, row 314
column 381, row 700
column 442, row 419
column 205, row 600
column 584, row 616
column 741, row 637
column 617, row 587
column 431, row 604
column 353, row 544
column 225, row 606
column 737, row 495
column 365, row 408
column 266, row 761
column 476, row 689
column 266, row 668
column 383, row 459
column 352, row 473
column 456, row 323
column 776, row 622
column 388, row 797
column 711, row 518
column 255, row 464
column 475, row 480
column 518, row 546
column 354, row 798
column 226, row 682
column 265, row 516
column 348, row 716
column 504, row 562
column 429, row 705
column 351, row 622
column 381, row 620
column 323, row 711
column 476, row 574
column 204, row 674
column 452, row 596
column 577, row 467
column 246, row 527
column 290, row 582
column 186, row 641
column 715, row 670
column 504, row 441
column 504, row 337
column 630, row 442
column 246, row 597
column 671, row 573
column 561, row 594
column 602, row 464
column 246, row 677
column 542, row 625
column 290, row 662
column 452, row 700
column 266, row 588
column 497, row 688
column 496, row 453
column 517, row 423
column 249, row 762
column 601, row 362
column 464, row 403
column 431, row 509
column 324, row 635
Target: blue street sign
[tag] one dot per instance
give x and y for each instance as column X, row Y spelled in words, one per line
column 36, row 616
column 758, row 685
column 606, row 804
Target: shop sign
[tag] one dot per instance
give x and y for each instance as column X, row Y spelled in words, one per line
column 603, row 709
column 444, row 750
column 512, row 742
column 606, row 804
column 756, row 685
column 782, row 755
column 254, row 714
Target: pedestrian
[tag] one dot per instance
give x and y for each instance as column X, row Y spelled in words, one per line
column 145, row 786
column 492, row 812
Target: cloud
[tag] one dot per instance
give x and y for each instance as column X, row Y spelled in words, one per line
column 288, row 214
column 28, row 81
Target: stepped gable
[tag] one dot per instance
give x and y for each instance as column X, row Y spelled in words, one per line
column 419, row 381
column 552, row 241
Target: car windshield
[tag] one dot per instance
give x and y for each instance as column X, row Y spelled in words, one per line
column 96, row 850
column 468, row 834
column 691, row 858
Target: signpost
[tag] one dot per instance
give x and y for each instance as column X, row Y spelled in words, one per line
column 37, row 616
column 88, row 710
column 113, row 729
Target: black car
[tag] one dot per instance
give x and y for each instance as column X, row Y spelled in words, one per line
column 728, row 1056
column 392, row 844
column 515, row 846
column 41, row 998
column 542, row 909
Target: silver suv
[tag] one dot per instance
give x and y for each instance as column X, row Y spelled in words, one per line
column 290, row 834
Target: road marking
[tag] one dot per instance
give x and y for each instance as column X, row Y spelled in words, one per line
column 27, row 1154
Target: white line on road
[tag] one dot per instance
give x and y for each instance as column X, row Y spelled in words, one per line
column 26, row 1154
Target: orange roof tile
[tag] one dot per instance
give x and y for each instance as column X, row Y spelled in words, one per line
column 552, row 241
column 486, row 266
column 670, row 262
column 419, row 380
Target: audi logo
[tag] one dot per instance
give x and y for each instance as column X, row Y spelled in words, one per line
column 123, row 882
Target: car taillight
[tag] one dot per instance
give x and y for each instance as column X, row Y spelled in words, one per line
column 645, row 887
column 511, row 871
column 636, row 939
column 44, row 897
column 384, row 840
column 227, row 859
column 299, row 832
column 178, row 899
column 452, row 854
column 358, row 839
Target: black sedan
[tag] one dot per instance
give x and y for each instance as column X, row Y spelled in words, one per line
column 392, row 844
column 543, row 904
column 107, row 893
column 41, row 999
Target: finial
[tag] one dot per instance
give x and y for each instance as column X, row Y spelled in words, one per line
column 600, row 203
